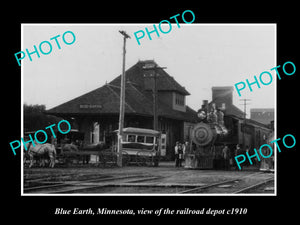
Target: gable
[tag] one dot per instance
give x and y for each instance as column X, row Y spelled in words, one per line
column 142, row 79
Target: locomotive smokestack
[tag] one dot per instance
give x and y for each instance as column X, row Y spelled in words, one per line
column 205, row 105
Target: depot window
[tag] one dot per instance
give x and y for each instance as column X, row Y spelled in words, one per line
column 179, row 99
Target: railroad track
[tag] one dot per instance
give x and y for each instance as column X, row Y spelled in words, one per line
column 53, row 187
column 138, row 183
column 254, row 186
column 232, row 186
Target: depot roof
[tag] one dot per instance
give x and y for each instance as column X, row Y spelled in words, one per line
column 138, row 98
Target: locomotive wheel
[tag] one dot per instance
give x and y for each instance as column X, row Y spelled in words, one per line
column 202, row 134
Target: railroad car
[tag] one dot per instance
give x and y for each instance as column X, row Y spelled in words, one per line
column 267, row 164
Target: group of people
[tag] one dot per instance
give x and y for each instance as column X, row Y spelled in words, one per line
column 180, row 150
column 227, row 154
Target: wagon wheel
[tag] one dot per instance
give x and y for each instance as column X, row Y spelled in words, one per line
column 67, row 159
column 59, row 159
column 105, row 158
column 101, row 159
column 125, row 159
column 141, row 159
column 149, row 160
column 153, row 159
column 156, row 159
column 108, row 158
column 114, row 159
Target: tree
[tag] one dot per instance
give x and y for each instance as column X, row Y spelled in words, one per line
column 36, row 119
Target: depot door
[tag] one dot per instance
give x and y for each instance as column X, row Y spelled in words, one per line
column 163, row 145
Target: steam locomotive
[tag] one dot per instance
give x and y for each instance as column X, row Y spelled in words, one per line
column 207, row 138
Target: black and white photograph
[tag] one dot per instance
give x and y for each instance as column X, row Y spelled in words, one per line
column 131, row 109
column 145, row 111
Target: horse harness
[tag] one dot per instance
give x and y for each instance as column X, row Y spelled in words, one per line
column 37, row 149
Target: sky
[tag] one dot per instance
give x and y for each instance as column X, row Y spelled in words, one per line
column 198, row 56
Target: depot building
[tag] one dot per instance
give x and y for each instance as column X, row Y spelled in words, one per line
column 96, row 113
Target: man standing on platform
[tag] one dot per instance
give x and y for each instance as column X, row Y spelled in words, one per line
column 176, row 154
column 225, row 153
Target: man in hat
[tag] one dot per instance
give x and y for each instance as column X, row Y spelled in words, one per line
column 225, row 153
column 177, row 154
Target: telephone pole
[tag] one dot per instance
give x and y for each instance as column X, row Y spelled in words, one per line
column 154, row 67
column 122, row 103
column 245, row 104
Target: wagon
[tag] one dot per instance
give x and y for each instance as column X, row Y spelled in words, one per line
column 140, row 146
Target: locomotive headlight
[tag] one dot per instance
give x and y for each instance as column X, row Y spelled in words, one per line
column 201, row 114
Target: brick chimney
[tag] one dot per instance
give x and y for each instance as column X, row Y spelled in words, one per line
column 222, row 96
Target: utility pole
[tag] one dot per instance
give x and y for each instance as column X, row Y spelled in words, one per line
column 154, row 67
column 122, row 103
column 245, row 104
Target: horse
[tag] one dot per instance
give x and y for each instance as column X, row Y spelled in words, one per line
column 69, row 148
column 41, row 150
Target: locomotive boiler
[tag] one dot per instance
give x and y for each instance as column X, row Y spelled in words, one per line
column 207, row 139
